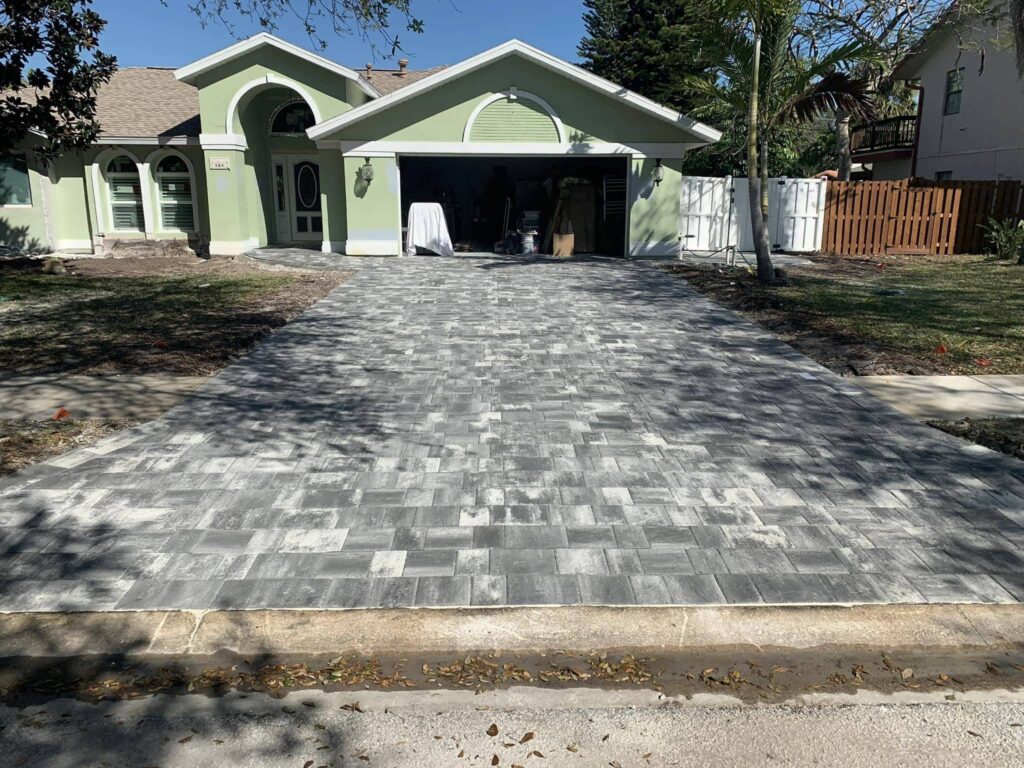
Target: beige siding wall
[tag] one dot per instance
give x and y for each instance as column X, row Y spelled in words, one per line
column 985, row 139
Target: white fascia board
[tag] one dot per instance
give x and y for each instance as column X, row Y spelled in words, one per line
column 523, row 149
column 172, row 141
column 190, row 71
column 703, row 132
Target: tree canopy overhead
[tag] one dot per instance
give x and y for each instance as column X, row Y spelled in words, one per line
column 56, row 100
column 372, row 20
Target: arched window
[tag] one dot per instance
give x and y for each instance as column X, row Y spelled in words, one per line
column 125, row 190
column 175, row 195
column 293, row 118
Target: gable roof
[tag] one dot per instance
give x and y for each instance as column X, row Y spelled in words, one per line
column 535, row 55
column 189, row 72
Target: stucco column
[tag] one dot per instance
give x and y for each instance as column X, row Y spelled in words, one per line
column 372, row 208
column 654, row 208
column 332, row 200
column 228, row 196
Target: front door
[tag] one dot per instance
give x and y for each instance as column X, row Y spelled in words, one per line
column 297, row 199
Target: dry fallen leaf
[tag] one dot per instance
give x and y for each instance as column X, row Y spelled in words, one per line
column 495, row 760
column 493, row 731
column 527, row 736
column 573, row 748
column 307, row 764
column 907, row 673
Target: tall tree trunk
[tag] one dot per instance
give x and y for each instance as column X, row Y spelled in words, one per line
column 845, row 162
column 765, row 270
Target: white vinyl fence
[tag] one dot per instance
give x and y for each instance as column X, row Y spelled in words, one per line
column 714, row 214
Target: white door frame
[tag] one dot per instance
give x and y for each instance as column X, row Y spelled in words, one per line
column 286, row 228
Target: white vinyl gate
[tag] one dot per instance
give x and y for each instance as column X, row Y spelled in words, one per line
column 714, row 214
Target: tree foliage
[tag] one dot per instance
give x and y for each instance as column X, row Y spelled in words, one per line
column 372, row 20
column 647, row 46
column 57, row 99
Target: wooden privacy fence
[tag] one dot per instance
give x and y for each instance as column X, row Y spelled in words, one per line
column 915, row 216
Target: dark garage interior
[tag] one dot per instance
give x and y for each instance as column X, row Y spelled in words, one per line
column 520, row 204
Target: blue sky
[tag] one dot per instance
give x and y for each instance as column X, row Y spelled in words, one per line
column 145, row 32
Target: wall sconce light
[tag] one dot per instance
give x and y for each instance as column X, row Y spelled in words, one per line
column 659, row 173
column 366, row 171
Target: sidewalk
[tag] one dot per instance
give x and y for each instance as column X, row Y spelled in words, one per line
column 93, row 397
column 949, row 397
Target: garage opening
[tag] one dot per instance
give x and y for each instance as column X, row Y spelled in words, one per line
column 544, row 205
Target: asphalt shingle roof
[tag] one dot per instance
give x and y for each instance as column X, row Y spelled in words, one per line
column 390, row 80
column 149, row 101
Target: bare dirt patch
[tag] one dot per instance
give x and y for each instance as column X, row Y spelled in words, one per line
column 1003, row 435
column 754, row 676
column 27, row 442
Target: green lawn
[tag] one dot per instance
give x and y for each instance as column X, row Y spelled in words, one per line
column 184, row 324
column 902, row 307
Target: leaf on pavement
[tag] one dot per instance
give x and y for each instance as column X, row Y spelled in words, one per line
column 527, row 736
column 493, row 731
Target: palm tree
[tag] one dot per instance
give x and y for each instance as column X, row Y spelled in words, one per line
column 761, row 76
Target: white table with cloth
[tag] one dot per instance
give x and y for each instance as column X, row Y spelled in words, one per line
column 428, row 229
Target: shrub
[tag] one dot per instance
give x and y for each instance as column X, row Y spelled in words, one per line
column 1006, row 238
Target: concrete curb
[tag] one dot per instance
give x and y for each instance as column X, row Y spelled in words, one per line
column 522, row 630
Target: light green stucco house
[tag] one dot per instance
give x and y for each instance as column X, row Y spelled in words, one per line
column 264, row 143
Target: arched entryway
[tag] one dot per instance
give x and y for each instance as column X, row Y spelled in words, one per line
column 273, row 116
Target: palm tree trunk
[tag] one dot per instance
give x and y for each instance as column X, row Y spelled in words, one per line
column 765, row 270
column 843, row 144
column 764, row 175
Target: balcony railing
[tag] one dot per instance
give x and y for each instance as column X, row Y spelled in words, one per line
column 894, row 133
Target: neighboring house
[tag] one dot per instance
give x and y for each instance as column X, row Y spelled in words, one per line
column 971, row 109
column 265, row 143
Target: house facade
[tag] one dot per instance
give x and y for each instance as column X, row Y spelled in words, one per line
column 970, row 109
column 264, row 143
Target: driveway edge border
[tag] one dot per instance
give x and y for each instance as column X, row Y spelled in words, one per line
column 529, row 629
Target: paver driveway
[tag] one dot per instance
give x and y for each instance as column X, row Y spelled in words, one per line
column 485, row 431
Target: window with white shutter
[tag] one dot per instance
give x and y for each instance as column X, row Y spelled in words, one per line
column 125, row 195
column 174, row 191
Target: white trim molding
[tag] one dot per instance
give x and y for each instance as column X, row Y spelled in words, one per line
column 74, row 245
column 702, row 134
column 332, row 246
column 514, row 94
column 223, row 141
column 233, row 247
column 146, row 183
column 268, row 80
column 371, row 248
column 654, row 248
column 524, row 149
column 189, row 72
